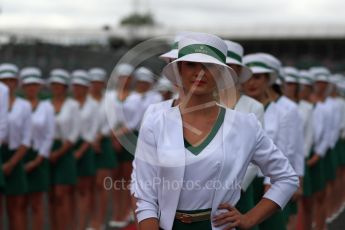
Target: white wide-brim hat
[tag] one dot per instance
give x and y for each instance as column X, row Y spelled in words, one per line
column 202, row 48
column 59, row 76
column 80, row 77
column 258, row 64
column 8, row 71
column 234, row 56
column 31, row 75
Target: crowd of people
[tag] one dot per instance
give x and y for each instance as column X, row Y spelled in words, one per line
column 275, row 133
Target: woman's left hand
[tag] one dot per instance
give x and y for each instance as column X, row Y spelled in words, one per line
column 230, row 219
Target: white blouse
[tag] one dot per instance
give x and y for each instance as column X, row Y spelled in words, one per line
column 160, row 161
column 19, row 124
column 3, row 111
column 43, row 128
column 87, row 121
column 320, row 129
column 66, row 121
column 306, row 110
column 294, row 137
column 104, row 126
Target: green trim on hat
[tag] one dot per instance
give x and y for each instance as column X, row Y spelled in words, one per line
column 64, row 78
column 174, row 46
column 258, row 64
column 31, row 76
column 292, row 75
column 9, row 71
column 234, row 55
column 307, row 79
column 203, row 49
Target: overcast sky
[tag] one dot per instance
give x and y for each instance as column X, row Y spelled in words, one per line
column 170, row 13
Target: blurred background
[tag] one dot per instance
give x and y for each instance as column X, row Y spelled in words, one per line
column 86, row 33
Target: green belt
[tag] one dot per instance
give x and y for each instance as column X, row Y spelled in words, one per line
column 188, row 217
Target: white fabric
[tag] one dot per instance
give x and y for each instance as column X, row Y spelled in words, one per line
column 243, row 141
column 30, row 75
column 320, row 129
column 19, row 124
column 342, row 134
column 249, row 105
column 43, row 128
column 306, row 112
column 66, row 121
column 199, row 182
column 294, row 138
column 59, row 76
column 336, row 121
column 4, row 97
column 124, row 69
column 104, row 127
column 87, row 121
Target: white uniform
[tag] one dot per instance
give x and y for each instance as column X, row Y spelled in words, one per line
column 342, row 134
column 306, row 110
column 336, row 121
column 66, row 121
column 43, row 128
column 320, row 129
column 240, row 141
column 294, row 139
column 87, row 121
column 19, row 124
column 104, row 126
column 3, row 111
column 330, row 118
column 249, row 105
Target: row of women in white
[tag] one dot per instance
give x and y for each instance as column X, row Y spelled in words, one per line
column 189, row 139
column 64, row 146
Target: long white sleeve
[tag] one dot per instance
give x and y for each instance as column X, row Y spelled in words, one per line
column 3, row 111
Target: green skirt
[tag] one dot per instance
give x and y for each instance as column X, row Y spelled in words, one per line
column 329, row 166
column 317, row 176
column 38, row 179
column 2, row 177
column 338, row 151
column 64, row 171
column 290, row 209
column 307, row 182
column 86, row 164
column 127, row 153
column 342, row 152
column 277, row 220
column 107, row 158
column 16, row 182
column 246, row 202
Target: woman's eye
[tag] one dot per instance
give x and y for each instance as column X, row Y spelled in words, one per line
column 190, row 64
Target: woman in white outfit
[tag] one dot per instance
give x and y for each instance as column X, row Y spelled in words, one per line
column 83, row 150
column 105, row 158
column 14, row 148
column 63, row 170
column 174, row 151
column 42, row 135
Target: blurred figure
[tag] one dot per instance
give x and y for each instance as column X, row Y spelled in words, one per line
column 63, row 167
column 290, row 87
column 105, row 157
column 15, row 145
column 83, row 150
column 42, row 134
column 165, row 88
column 306, row 110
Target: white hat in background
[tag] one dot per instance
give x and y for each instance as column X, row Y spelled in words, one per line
column 144, row 74
column 305, row 78
column 124, row 70
column 8, row 70
column 80, row 77
column 320, row 74
column 201, row 48
column 164, row 84
column 98, row 74
column 235, row 56
column 259, row 64
column 335, row 78
column 290, row 74
column 60, row 76
column 173, row 53
column 30, row 75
